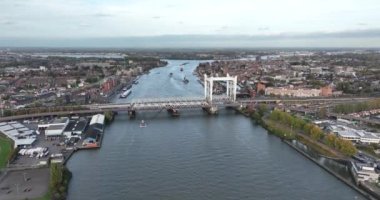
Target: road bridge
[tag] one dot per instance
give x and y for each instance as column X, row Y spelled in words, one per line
column 155, row 104
column 209, row 102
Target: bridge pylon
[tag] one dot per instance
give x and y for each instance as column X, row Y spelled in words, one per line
column 231, row 87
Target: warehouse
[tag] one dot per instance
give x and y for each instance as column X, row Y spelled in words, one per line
column 21, row 135
column 75, row 128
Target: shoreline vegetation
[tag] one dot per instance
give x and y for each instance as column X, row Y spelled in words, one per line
column 59, row 182
column 357, row 107
column 290, row 127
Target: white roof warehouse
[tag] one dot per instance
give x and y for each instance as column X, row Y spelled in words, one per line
column 56, row 127
column 20, row 134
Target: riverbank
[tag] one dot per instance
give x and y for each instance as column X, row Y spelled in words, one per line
column 336, row 175
column 289, row 136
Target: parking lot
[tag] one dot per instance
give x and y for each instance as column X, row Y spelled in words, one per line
column 25, row 184
column 54, row 147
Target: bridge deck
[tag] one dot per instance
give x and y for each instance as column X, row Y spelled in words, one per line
column 175, row 102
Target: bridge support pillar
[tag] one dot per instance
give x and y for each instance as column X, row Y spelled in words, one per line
column 212, row 110
column 131, row 114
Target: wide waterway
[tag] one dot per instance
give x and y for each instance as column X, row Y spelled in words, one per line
column 195, row 156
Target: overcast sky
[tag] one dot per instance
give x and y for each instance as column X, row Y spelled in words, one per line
column 343, row 23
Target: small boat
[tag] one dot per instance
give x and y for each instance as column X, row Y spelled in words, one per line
column 142, row 124
column 171, row 74
column 181, row 69
column 125, row 89
column 126, row 94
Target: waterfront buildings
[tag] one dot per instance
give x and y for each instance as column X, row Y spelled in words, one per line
column 75, row 128
column 94, row 131
column 364, row 172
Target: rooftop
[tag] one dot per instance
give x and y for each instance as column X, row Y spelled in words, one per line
column 76, row 125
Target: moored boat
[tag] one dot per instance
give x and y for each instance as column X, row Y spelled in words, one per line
column 125, row 94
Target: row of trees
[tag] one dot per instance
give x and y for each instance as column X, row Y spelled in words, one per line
column 59, row 180
column 25, row 111
column 297, row 124
column 357, row 107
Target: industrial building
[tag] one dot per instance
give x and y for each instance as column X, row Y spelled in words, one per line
column 354, row 134
column 94, row 131
column 20, row 134
column 75, row 128
column 364, row 172
column 343, row 129
column 55, row 127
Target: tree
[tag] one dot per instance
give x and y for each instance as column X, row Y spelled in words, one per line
column 346, row 147
column 316, row 133
column 307, row 128
column 56, row 175
column 322, row 113
column 262, row 109
column 330, row 140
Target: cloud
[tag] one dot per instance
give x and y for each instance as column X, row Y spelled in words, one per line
column 362, row 24
column 101, row 15
column 84, row 25
column 222, row 28
column 7, row 22
column 264, row 28
column 359, row 33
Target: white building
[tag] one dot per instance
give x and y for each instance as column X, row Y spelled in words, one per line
column 355, row 135
column 55, row 127
column 364, row 172
column 20, row 134
column 97, row 119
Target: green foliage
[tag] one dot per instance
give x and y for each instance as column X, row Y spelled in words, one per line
column 56, row 175
column 59, row 179
column 316, row 133
column 297, row 124
column 5, row 151
column 92, row 79
column 344, row 146
column 357, row 107
column 262, row 109
column 109, row 115
column 322, row 113
column 39, row 109
column 287, row 119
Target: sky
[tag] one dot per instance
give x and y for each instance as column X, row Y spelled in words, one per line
column 190, row 23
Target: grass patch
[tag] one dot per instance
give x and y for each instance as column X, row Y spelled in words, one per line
column 5, row 151
column 279, row 129
column 47, row 196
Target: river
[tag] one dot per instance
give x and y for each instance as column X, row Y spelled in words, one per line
column 195, row 156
